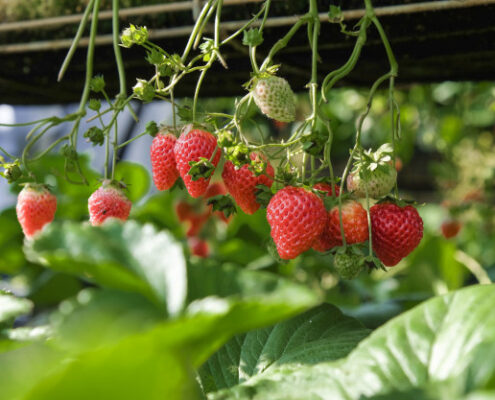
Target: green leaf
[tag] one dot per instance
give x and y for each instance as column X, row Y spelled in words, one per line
column 129, row 369
column 135, row 177
column 252, row 37
column 133, row 369
column 320, row 334
column 126, row 256
column 11, row 307
column 432, row 343
column 99, row 317
column 226, row 301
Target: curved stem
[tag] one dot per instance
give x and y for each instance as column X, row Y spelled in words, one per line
column 51, row 147
column 196, row 29
column 116, row 47
column 7, row 153
column 279, row 45
column 115, row 147
column 333, row 77
column 368, row 218
column 75, row 41
column 31, row 143
column 132, row 140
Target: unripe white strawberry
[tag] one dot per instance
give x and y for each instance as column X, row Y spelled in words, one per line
column 275, row 98
column 380, row 182
column 373, row 172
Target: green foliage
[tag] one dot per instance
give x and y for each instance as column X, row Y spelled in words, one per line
column 320, row 334
column 433, row 344
column 122, row 256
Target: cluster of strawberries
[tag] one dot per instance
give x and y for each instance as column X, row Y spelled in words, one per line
column 297, row 216
column 36, row 206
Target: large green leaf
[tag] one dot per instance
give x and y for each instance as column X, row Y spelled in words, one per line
column 227, row 301
column 109, row 344
column 132, row 368
column 123, row 256
column 11, row 307
column 99, row 317
column 434, row 342
column 320, row 334
column 135, row 368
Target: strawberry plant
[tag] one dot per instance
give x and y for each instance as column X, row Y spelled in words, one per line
column 215, row 286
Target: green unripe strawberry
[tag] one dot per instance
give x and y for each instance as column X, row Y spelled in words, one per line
column 373, row 172
column 348, row 266
column 275, row 98
column 379, row 182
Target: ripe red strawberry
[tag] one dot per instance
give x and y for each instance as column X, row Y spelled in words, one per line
column 196, row 222
column 163, row 161
column 198, row 247
column 450, row 228
column 36, row 207
column 108, row 201
column 275, row 98
column 191, row 146
column 325, row 241
column 241, row 183
column 355, row 224
column 296, row 217
column 325, row 187
column 184, row 211
column 396, row 231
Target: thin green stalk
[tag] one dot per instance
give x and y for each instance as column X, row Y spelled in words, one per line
column 197, row 26
column 34, row 129
column 107, row 152
column 174, row 116
column 246, row 25
column 7, row 153
column 31, row 143
column 252, row 49
column 90, row 56
column 368, row 217
column 75, row 41
column 26, row 123
column 115, row 147
column 327, row 154
column 203, row 25
column 303, row 166
column 51, row 147
column 333, row 77
column 252, row 58
column 280, row 44
column 132, row 140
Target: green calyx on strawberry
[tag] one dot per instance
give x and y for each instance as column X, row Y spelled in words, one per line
column 238, row 154
column 348, row 264
column 274, row 97
column 223, row 203
column 373, row 173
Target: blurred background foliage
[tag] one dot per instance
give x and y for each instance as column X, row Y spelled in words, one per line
column 447, row 152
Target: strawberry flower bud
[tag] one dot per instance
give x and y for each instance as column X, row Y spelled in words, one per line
column 134, row 35
column 144, row 91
